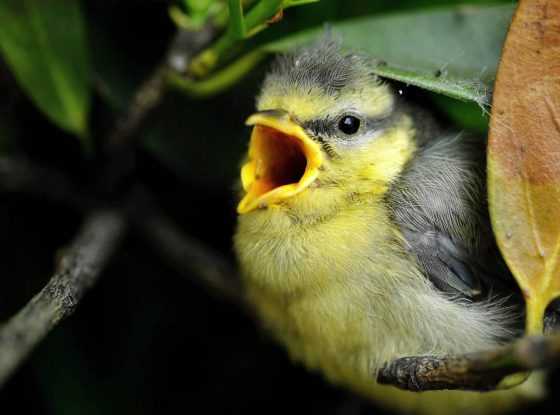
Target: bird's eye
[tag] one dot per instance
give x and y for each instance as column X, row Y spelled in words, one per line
column 349, row 124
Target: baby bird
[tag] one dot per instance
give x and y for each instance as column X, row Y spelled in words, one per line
column 363, row 233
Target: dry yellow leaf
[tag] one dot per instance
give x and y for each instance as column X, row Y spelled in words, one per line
column 524, row 155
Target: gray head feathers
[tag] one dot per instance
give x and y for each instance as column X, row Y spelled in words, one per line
column 324, row 65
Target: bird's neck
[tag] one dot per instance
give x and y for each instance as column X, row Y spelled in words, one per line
column 286, row 254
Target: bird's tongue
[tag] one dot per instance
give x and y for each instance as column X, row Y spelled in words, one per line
column 283, row 161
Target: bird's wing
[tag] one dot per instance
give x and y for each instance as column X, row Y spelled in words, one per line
column 444, row 261
column 439, row 203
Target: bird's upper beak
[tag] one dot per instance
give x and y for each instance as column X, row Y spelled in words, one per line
column 283, row 160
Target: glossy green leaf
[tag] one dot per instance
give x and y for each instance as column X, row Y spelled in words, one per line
column 44, row 43
column 453, row 51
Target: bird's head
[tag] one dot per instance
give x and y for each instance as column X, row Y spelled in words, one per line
column 326, row 130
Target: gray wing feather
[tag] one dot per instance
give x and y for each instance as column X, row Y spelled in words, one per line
column 439, row 203
column 444, row 263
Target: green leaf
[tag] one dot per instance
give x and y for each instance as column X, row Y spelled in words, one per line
column 44, row 43
column 293, row 3
column 452, row 51
column 236, row 19
column 197, row 5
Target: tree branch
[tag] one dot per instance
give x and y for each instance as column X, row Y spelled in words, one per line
column 78, row 269
column 84, row 260
column 477, row 371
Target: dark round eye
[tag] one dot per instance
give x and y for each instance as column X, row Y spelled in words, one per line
column 349, row 124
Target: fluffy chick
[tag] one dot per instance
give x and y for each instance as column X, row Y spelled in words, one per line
column 363, row 234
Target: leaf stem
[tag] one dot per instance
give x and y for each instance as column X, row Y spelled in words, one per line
column 534, row 323
column 255, row 20
column 219, row 81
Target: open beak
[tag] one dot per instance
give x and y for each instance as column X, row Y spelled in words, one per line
column 283, row 161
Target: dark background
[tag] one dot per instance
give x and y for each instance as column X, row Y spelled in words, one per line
column 145, row 339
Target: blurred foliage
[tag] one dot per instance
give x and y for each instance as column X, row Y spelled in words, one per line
column 44, row 43
column 194, row 14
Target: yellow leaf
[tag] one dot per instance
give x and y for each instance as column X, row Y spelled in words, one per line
column 524, row 155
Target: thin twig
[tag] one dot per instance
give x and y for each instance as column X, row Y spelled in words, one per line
column 78, row 269
column 148, row 96
column 144, row 101
column 477, row 371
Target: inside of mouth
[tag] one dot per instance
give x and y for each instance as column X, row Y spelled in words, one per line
column 279, row 159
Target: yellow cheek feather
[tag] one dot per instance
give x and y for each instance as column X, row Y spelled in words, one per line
column 368, row 169
column 384, row 159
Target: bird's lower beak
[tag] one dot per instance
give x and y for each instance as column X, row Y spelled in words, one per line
column 283, row 161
